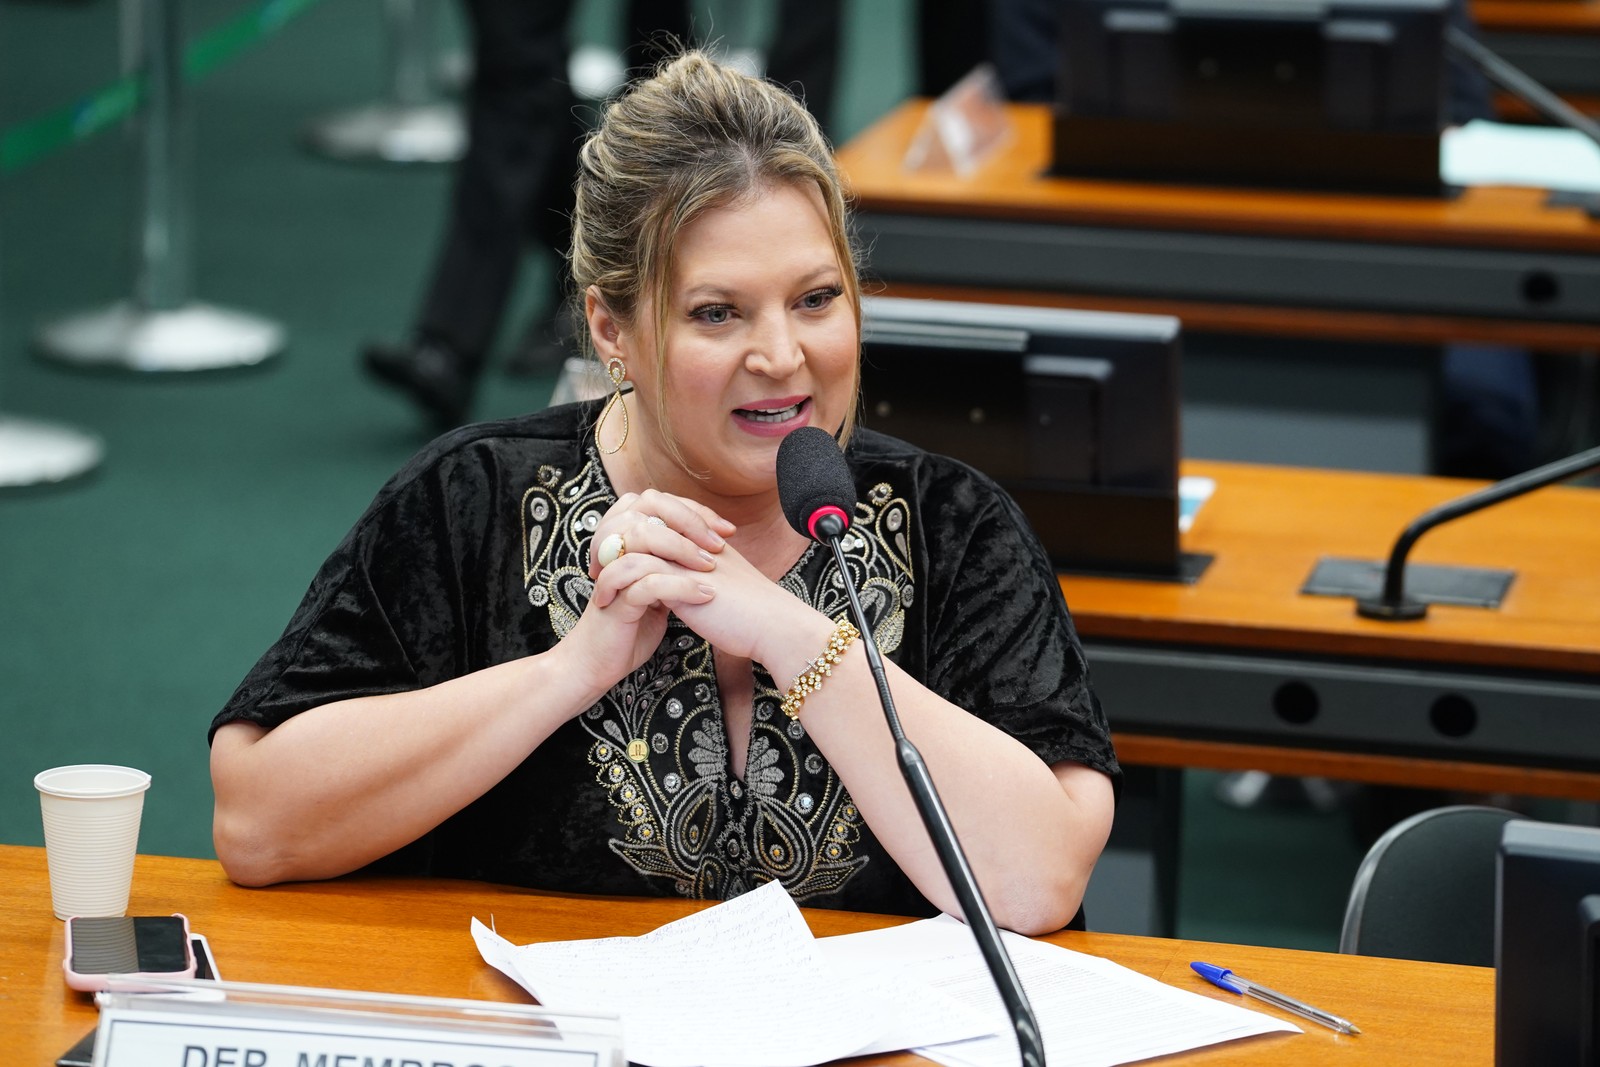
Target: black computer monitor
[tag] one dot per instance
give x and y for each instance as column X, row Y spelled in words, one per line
column 1330, row 94
column 1547, row 945
column 1075, row 413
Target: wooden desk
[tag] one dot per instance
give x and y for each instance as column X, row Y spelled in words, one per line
column 1195, row 676
column 410, row 936
column 1493, row 264
column 1538, row 16
column 1508, row 108
column 1189, row 675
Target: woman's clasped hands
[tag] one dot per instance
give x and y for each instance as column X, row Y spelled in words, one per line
column 651, row 553
column 655, row 553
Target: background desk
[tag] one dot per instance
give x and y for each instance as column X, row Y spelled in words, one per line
column 1493, row 264
column 1207, row 675
column 410, row 936
column 1555, row 41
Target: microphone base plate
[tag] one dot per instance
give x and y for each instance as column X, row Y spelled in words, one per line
column 1426, row 583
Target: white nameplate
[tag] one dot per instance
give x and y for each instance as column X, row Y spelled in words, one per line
column 264, row 1026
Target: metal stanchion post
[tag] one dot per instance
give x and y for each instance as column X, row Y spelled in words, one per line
column 41, row 453
column 162, row 328
column 413, row 125
column 1257, row 789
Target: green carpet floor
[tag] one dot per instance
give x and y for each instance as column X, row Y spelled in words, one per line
column 133, row 601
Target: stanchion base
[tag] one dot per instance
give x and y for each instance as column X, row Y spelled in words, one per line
column 196, row 337
column 41, row 453
column 1246, row 790
column 390, row 133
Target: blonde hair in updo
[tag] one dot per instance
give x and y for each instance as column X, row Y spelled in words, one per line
column 695, row 136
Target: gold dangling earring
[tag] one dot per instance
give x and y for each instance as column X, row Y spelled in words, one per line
column 618, row 372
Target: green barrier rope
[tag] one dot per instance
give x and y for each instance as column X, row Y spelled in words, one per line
column 28, row 142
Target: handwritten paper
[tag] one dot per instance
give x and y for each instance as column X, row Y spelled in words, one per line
column 1091, row 1012
column 740, row 983
column 746, row 983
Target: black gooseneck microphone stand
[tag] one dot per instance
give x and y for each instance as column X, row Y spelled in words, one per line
column 830, row 528
column 1519, row 84
column 1392, row 604
column 1530, row 92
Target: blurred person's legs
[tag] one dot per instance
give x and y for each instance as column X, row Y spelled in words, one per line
column 515, row 182
column 1487, row 422
column 953, row 36
column 1026, row 46
column 654, row 30
column 804, row 53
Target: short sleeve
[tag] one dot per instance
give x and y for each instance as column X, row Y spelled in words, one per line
column 1002, row 643
column 383, row 614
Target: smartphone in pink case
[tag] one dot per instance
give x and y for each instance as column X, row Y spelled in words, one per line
column 134, row 947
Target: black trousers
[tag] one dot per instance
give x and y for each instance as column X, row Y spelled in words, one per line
column 513, row 186
column 952, row 37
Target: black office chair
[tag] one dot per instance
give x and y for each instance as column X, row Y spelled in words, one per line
column 1426, row 889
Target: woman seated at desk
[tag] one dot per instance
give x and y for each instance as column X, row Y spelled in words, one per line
column 555, row 651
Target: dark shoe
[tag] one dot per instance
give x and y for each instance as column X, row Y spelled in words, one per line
column 439, row 380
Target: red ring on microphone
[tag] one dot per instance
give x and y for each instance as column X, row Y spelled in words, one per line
column 826, row 509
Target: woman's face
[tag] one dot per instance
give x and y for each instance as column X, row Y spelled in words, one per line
column 760, row 339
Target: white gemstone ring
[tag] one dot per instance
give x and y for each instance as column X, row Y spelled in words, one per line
column 656, row 520
column 612, row 548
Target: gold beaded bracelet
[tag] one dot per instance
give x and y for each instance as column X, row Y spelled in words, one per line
column 810, row 679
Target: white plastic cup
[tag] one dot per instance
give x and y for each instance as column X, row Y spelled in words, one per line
column 91, row 835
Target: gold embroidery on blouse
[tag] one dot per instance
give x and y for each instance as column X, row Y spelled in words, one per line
column 658, row 740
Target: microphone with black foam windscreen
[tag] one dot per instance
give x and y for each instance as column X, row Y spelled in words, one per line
column 814, row 484
column 818, row 496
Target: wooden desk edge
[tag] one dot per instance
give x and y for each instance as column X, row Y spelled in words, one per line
column 1272, row 320
column 1154, row 750
column 1010, row 186
column 1542, row 634
column 329, row 927
column 1554, row 17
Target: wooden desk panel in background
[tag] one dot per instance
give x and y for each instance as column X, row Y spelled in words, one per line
column 1267, row 526
column 1574, row 17
column 411, row 936
column 1189, row 674
column 1012, row 185
column 1479, row 266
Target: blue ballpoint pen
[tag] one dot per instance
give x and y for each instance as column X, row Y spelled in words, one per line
column 1226, row 979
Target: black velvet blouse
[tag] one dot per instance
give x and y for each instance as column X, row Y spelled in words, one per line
column 477, row 553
